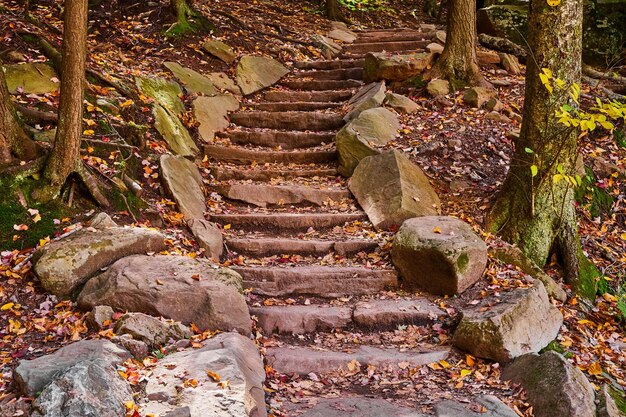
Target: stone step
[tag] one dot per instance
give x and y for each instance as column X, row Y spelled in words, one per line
column 333, row 74
column 390, row 54
column 293, row 106
column 330, row 65
column 248, row 156
column 287, row 221
column 263, row 195
column 316, row 96
column 259, row 174
column 350, row 404
column 361, row 48
column 279, row 246
column 321, row 85
column 291, row 120
column 319, row 281
column 370, row 315
column 304, row 360
column 275, row 138
column 377, row 32
column 393, row 37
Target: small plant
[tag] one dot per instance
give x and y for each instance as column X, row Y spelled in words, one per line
column 364, row 5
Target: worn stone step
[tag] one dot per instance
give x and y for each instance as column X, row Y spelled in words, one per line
column 275, row 138
column 377, row 32
column 320, row 281
column 347, row 404
column 304, row 360
column 248, row 156
column 316, row 96
column 405, row 52
column 321, row 85
column 293, row 106
column 280, row 246
column 386, row 46
column 287, row 221
column 264, row 195
column 393, row 37
column 330, row 65
column 381, row 314
column 333, row 74
column 290, row 120
column 259, row 174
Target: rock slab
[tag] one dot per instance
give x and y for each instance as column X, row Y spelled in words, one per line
column 173, row 131
column 31, row 78
column 212, row 114
column 255, row 73
column 383, row 66
column 483, row 406
column 151, row 330
column 192, row 81
column 182, row 180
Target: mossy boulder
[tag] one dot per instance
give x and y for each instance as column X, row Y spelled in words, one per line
column 37, row 78
column 255, row 73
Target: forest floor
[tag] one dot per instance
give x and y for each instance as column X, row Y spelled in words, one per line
column 465, row 154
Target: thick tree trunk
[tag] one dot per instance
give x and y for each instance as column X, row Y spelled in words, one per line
column 187, row 18
column 538, row 213
column 458, row 62
column 14, row 143
column 65, row 155
column 333, row 12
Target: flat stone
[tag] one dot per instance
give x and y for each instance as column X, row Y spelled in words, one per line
column 262, row 195
column 554, row 387
column 327, row 46
column 304, row 360
column 255, row 73
column 487, row 57
column 102, row 221
column 497, row 117
column 247, row 156
column 232, row 357
column 288, row 221
column 222, row 81
column 208, row 236
column 391, row 189
column 31, row 78
column 173, row 131
column 279, row 246
column 363, row 136
column 354, row 407
column 483, row 406
column 212, row 114
column 176, row 287
column 320, row 85
column 510, row 63
column 64, row 265
column 182, row 180
column 192, row 81
column 434, row 48
column 342, row 35
column 390, row 313
column 220, row 50
column 300, row 319
column 32, row 376
column 164, row 92
column 401, row 104
column 153, row 331
column 440, row 36
column 288, row 120
column 438, row 87
column 382, row 66
column 273, row 138
column 368, row 97
column 477, row 96
column 137, row 348
column 440, row 254
column 317, row 96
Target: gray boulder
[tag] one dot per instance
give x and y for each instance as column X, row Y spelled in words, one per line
column 64, row 265
column 32, row 376
column 151, row 330
column 164, row 92
column 400, row 103
column 87, row 389
column 554, row 387
column 175, row 287
column 368, row 97
column 391, row 189
column 439, row 254
column 383, row 66
column 522, row 321
column 255, row 73
column 173, row 131
column 182, row 180
column 99, row 318
column 220, row 50
column 31, row 78
column 212, row 114
column 361, row 137
column 483, row 406
column 232, row 359
column 192, row 81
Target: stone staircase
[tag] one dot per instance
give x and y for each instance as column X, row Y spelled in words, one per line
column 297, row 235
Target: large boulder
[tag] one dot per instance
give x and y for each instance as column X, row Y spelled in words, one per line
column 554, row 387
column 31, row 78
column 212, row 114
column 192, row 81
column 383, row 66
column 229, row 373
column 255, row 73
column 182, row 180
column 173, row 131
column 439, row 254
column 32, row 376
column 361, row 137
column 220, row 50
column 64, row 265
column 153, row 331
column 391, row 189
column 368, row 97
column 87, row 389
column 520, row 321
column 165, row 93
column 483, row 406
column 175, row 287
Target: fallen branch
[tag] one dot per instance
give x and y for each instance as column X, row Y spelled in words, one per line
column 92, row 185
column 34, row 115
column 587, row 70
column 597, row 84
column 503, row 45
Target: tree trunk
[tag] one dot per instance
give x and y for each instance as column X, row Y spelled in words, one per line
column 536, row 212
column 187, row 18
column 65, row 155
column 458, row 62
column 333, row 12
column 14, row 143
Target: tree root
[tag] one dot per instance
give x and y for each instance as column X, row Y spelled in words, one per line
column 92, row 185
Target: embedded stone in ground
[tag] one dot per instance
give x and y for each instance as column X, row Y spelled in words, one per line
column 477, row 96
column 151, row 330
column 439, row 254
column 257, row 72
column 31, row 78
column 175, row 287
column 223, row 82
column 353, row 407
column 391, row 189
column 212, row 114
column 230, row 358
column 182, row 180
column 165, row 93
column 301, row 319
column 220, row 50
column 173, row 131
column 382, row 66
column 389, row 313
column 192, row 81
column 64, row 265
column 483, row 406
column 208, row 236
column 438, row 87
column 400, row 103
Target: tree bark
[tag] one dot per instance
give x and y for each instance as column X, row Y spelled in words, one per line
column 187, row 18
column 458, row 62
column 333, row 12
column 65, row 155
column 537, row 213
column 14, row 143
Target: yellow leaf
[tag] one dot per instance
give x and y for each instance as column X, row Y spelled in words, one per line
column 126, row 103
column 437, row 230
column 553, row 3
column 7, row 306
column 444, row 364
column 465, row 372
column 623, row 236
column 37, row 218
column 595, row 369
column 88, row 132
column 214, row 376
column 227, row 226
